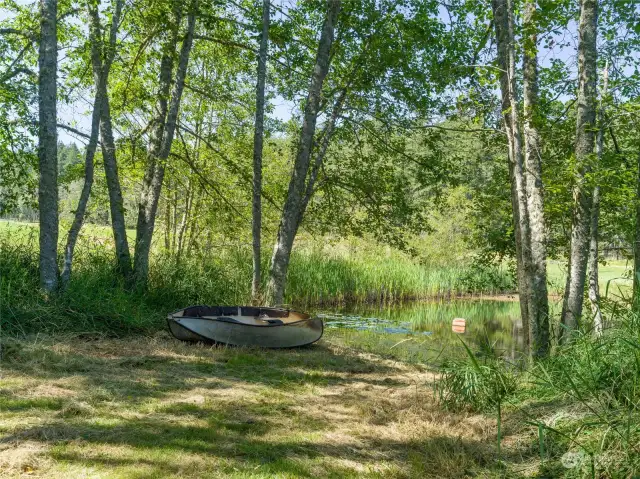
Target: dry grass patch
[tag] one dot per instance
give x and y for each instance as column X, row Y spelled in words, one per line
column 157, row 408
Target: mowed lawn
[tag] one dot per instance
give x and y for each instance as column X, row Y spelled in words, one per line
column 101, row 233
column 155, row 408
column 614, row 277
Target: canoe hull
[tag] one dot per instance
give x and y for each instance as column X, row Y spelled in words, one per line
column 183, row 334
column 292, row 330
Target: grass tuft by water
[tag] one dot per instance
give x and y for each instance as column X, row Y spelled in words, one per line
column 581, row 406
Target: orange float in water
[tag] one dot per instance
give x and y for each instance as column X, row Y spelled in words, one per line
column 459, row 325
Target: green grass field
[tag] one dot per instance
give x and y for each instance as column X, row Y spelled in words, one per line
column 155, row 408
column 614, row 277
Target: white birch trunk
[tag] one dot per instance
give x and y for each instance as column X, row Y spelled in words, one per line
column 100, row 80
column 503, row 20
column 538, row 302
column 48, row 146
column 289, row 221
column 585, row 140
column 160, row 145
column 594, row 284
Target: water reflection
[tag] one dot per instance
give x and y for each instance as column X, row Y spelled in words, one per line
column 492, row 326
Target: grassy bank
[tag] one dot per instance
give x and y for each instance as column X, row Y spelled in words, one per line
column 579, row 409
column 89, row 406
column 356, row 404
column 319, row 274
column 614, row 276
column 156, row 408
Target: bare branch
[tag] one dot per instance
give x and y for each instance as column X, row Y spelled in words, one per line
column 72, row 130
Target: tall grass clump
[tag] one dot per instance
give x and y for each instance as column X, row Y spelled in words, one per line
column 97, row 299
column 321, row 275
column 582, row 404
column 600, row 377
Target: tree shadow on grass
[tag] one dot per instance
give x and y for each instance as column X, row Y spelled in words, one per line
column 136, row 376
column 142, row 414
column 154, row 448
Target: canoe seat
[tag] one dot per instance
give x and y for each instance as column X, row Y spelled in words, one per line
column 274, row 321
column 202, row 311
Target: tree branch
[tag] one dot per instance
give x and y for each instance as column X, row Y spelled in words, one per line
column 229, row 162
column 72, row 130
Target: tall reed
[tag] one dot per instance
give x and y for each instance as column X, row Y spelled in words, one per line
column 97, row 299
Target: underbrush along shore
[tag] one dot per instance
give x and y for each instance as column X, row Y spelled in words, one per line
column 97, row 298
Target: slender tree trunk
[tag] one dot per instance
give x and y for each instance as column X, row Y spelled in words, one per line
column 258, row 137
column 520, row 269
column 116, row 202
column 636, row 245
column 291, row 212
column 90, row 152
column 192, row 228
column 160, row 144
column 48, row 145
column 185, row 217
column 585, row 139
column 503, row 20
column 167, row 226
column 100, row 80
column 539, row 301
column 146, row 215
column 594, row 286
column 174, row 235
column 327, row 134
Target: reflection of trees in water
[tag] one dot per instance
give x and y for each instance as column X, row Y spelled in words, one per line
column 493, row 327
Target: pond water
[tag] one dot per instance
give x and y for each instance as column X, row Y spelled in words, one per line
column 491, row 325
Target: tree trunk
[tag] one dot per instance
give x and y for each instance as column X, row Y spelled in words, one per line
column 324, row 145
column 167, row 226
column 100, row 81
column 90, row 152
column 291, row 211
column 594, row 288
column 116, row 202
column 585, row 139
column 538, row 303
column 185, row 218
column 174, row 233
column 636, row 245
column 160, row 142
column 503, row 20
column 48, row 145
column 594, row 285
column 258, row 137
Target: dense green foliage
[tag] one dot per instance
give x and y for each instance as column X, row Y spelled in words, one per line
column 99, row 300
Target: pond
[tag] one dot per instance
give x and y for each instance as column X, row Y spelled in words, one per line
column 492, row 325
